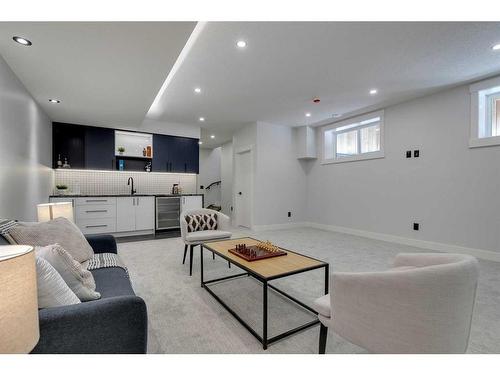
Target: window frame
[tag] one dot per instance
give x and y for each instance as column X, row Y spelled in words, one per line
column 358, row 157
column 478, row 113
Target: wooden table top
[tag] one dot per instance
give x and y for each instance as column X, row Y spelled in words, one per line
column 265, row 268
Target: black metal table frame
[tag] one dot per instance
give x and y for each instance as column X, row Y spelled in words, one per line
column 264, row 339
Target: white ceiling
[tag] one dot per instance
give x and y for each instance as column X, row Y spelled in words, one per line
column 287, row 64
column 110, row 73
column 104, row 73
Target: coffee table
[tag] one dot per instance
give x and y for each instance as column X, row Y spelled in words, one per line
column 264, row 270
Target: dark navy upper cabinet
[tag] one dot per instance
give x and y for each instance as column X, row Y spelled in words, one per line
column 175, row 154
column 99, row 148
column 89, row 147
column 161, row 148
column 68, row 144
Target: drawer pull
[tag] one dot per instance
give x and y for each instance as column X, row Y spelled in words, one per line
column 96, row 200
column 96, row 226
column 88, row 211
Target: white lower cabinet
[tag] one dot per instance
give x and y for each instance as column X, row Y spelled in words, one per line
column 191, row 202
column 134, row 214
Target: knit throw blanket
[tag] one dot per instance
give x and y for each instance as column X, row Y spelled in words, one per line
column 105, row 260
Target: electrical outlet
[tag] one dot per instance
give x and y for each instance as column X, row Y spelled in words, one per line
column 416, row 153
column 289, row 214
column 408, row 154
column 416, row 226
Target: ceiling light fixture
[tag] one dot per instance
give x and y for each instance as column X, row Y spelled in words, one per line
column 200, row 142
column 212, row 136
column 496, row 47
column 55, row 101
column 241, row 44
column 197, row 90
column 308, row 114
column 202, row 119
column 21, row 40
column 336, row 115
column 373, row 91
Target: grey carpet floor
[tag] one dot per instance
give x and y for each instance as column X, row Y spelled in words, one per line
column 184, row 318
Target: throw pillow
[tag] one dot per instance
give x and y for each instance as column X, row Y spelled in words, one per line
column 209, row 222
column 59, row 230
column 52, row 290
column 193, row 223
column 201, row 222
column 5, row 226
column 79, row 279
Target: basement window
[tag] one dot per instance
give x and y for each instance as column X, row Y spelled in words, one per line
column 485, row 113
column 358, row 138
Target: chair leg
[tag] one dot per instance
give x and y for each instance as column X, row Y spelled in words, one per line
column 191, row 259
column 323, row 334
column 185, row 252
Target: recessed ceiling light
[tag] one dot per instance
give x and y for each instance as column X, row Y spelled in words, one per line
column 373, row 91
column 241, row 44
column 308, row 114
column 336, row 115
column 202, row 119
column 21, row 40
column 200, row 142
column 55, row 101
column 197, row 90
column 212, row 136
column 496, row 47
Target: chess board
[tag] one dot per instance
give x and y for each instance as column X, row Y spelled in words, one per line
column 253, row 253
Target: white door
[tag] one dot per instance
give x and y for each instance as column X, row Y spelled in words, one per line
column 243, row 185
column 191, row 202
column 144, row 213
column 125, row 214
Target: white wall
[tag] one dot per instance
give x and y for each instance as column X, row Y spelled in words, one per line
column 279, row 183
column 280, row 178
column 451, row 190
column 169, row 128
column 210, row 171
column 26, row 176
column 226, row 176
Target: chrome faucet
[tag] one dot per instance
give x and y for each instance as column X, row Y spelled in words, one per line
column 132, row 191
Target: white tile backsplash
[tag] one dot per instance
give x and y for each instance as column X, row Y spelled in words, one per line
column 87, row 182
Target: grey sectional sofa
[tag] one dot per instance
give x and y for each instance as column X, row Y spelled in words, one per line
column 116, row 323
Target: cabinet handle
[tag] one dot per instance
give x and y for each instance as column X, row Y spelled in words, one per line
column 137, row 200
column 185, row 167
column 96, row 211
column 133, row 201
column 96, row 226
column 96, row 200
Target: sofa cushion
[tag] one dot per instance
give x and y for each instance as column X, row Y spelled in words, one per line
column 112, row 282
column 206, row 235
column 52, row 289
column 59, row 230
column 322, row 305
column 78, row 278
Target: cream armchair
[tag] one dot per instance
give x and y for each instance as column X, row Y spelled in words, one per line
column 192, row 239
column 422, row 305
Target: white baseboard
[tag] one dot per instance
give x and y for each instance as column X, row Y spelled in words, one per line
column 436, row 246
column 259, row 228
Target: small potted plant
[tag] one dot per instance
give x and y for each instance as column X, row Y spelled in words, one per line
column 62, row 189
column 121, row 150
